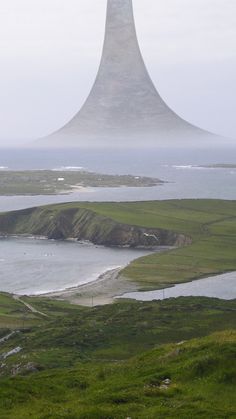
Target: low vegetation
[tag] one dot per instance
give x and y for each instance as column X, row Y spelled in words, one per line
column 129, row 359
column 50, row 182
column 14, row 314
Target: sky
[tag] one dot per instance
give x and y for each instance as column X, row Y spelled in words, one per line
column 50, row 52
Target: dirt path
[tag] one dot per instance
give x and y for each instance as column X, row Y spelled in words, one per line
column 29, row 306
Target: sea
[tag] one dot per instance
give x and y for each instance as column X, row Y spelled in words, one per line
column 179, row 168
column 32, row 266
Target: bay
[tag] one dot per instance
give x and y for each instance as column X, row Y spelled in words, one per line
column 30, row 266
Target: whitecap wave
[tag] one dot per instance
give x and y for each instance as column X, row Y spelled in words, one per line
column 67, row 168
column 191, row 167
column 188, row 166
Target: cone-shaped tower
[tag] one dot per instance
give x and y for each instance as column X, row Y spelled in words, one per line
column 123, row 107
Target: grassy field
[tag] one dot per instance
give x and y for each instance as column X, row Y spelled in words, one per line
column 211, row 224
column 113, row 361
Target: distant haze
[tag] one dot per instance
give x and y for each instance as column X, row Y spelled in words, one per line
column 50, row 52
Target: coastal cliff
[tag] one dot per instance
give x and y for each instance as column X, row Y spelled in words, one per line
column 85, row 224
column 203, row 232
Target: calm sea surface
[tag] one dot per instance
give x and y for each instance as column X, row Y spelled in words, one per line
column 32, row 266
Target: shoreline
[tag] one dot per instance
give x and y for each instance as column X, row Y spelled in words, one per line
column 101, row 291
column 110, row 286
column 67, row 192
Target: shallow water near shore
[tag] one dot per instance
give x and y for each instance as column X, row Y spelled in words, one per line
column 219, row 286
column 31, row 266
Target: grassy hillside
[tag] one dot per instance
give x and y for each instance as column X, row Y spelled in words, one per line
column 92, row 362
column 163, row 359
column 211, row 225
column 14, row 315
column 114, row 331
column 187, row 380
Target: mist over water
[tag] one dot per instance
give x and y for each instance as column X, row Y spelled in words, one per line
column 176, row 166
column 120, row 161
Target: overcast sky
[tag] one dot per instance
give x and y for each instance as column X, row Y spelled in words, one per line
column 50, row 52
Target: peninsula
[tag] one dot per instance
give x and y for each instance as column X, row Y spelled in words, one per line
column 202, row 233
column 53, row 182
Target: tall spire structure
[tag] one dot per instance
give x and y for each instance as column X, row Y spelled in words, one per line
column 123, row 107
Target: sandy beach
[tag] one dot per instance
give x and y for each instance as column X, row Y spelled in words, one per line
column 102, row 291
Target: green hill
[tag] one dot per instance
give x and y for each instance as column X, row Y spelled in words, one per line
column 186, row 380
column 204, row 232
column 151, row 360
column 92, row 362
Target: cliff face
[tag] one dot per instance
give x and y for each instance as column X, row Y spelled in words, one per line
column 84, row 224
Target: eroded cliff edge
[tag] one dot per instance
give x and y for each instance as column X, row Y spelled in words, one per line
column 84, row 224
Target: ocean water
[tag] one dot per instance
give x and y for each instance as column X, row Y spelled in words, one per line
column 31, row 266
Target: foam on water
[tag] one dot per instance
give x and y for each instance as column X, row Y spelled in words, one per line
column 68, row 169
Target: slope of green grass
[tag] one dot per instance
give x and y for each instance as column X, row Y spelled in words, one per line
column 14, row 315
column 92, row 362
column 195, row 379
column 210, row 223
column 114, row 332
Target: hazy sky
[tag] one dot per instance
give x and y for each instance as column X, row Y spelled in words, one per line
column 50, row 52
